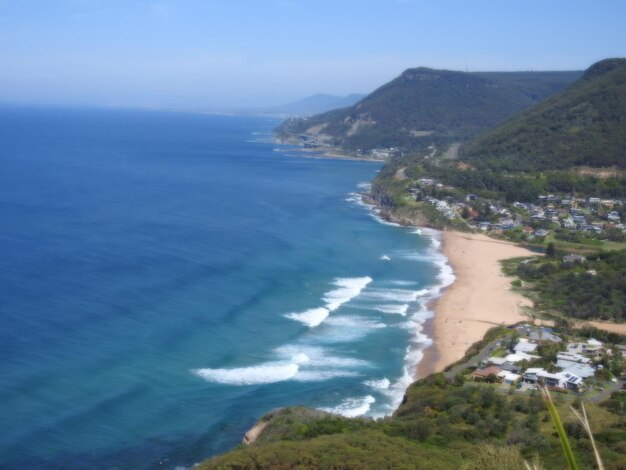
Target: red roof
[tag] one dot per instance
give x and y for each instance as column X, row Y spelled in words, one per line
column 487, row 371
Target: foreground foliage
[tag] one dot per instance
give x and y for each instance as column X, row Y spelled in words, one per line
column 441, row 424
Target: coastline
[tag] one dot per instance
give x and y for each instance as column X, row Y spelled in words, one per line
column 334, row 153
column 479, row 298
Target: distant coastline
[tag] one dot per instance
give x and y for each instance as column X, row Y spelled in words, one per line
column 326, row 151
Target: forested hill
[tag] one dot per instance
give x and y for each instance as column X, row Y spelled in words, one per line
column 583, row 125
column 424, row 106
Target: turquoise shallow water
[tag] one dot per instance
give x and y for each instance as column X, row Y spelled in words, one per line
column 168, row 278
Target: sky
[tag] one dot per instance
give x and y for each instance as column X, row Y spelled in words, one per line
column 248, row 53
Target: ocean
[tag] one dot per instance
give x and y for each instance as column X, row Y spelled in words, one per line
column 167, row 278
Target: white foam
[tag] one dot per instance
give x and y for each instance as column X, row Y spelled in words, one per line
column 322, row 375
column 375, row 215
column 301, row 358
column 402, row 283
column 392, row 295
column 385, row 258
column 348, row 288
column 446, row 273
column 318, row 357
column 355, row 198
column 352, row 407
column 382, row 384
column 392, row 309
column 263, row 374
column 353, row 321
column 311, row 318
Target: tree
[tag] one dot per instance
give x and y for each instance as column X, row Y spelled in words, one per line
column 550, row 250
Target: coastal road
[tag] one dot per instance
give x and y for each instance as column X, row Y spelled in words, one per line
column 606, row 393
column 475, row 360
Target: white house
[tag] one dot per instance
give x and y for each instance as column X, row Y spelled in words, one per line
column 576, row 368
column 509, row 377
column 572, row 357
column 592, row 348
column 525, row 346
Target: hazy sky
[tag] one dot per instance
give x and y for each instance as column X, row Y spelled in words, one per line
column 256, row 52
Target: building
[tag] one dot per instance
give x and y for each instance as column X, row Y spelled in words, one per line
column 509, row 378
column 525, row 346
column 574, row 258
column 544, row 335
column 575, row 368
column 531, row 374
column 592, row 348
column 485, row 372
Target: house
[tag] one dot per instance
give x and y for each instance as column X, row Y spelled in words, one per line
column 550, row 379
column 503, row 364
column 574, row 258
column 511, row 359
column 571, row 381
column 525, row 346
column 528, row 230
column 531, row 375
column 484, row 373
column 509, row 378
column 544, row 335
column 580, row 370
column 542, row 232
column 613, row 216
column 573, row 357
column 563, row 380
column 592, row 348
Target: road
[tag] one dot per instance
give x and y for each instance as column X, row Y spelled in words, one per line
column 475, row 360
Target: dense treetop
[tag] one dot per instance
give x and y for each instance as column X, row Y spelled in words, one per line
column 583, row 125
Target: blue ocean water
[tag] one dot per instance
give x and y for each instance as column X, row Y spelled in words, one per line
column 167, row 278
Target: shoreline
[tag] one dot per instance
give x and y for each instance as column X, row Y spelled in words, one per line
column 333, row 153
column 479, row 298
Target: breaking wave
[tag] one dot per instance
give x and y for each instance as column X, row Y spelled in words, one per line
column 347, row 289
column 352, row 407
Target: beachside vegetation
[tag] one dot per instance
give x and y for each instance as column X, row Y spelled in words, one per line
column 591, row 287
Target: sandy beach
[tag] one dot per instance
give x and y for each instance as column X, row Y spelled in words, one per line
column 479, row 298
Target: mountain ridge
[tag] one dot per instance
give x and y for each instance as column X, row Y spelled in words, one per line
column 582, row 125
column 424, row 107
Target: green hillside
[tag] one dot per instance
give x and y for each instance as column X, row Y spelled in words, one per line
column 584, row 125
column 425, row 106
column 440, row 425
